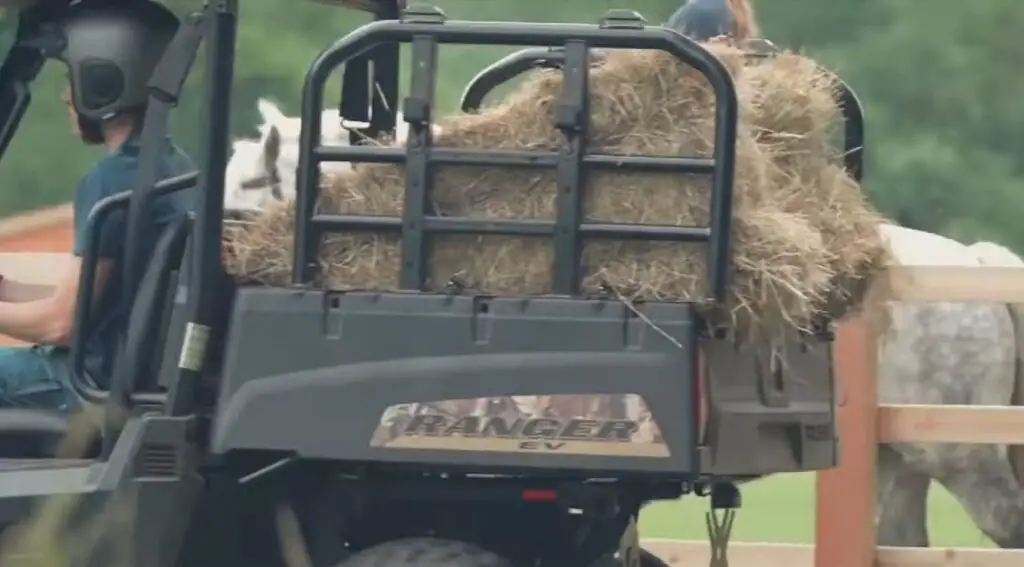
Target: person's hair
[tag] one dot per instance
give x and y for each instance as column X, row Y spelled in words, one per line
column 137, row 114
column 744, row 21
column 91, row 129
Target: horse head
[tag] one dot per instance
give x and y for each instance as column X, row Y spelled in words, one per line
column 263, row 171
column 252, row 178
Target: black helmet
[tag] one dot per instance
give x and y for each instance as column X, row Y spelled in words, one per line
column 111, row 49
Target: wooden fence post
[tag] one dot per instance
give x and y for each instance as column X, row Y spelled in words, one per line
column 845, row 523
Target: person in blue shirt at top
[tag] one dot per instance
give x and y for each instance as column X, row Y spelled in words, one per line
column 702, row 20
column 110, row 56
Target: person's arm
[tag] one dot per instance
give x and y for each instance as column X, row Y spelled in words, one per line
column 35, row 276
column 49, row 320
column 12, row 291
column 33, row 315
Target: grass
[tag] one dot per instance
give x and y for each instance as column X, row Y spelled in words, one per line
column 781, row 509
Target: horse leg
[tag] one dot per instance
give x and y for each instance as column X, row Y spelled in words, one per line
column 986, row 487
column 957, row 353
column 901, row 500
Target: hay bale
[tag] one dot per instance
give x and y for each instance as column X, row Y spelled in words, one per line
column 805, row 239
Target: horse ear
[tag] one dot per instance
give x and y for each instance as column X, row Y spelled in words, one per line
column 270, row 112
column 271, row 146
column 331, row 127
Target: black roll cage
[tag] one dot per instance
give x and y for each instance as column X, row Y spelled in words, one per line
column 425, row 30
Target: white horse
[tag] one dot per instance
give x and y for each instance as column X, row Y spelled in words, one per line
column 263, row 171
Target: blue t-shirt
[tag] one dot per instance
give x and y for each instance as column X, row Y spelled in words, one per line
column 117, row 173
column 702, row 20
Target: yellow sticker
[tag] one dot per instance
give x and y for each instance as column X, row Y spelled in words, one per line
column 193, row 349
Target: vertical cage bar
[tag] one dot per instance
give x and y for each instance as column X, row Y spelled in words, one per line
column 720, row 223
column 205, row 281
column 572, row 116
column 853, row 131
column 418, row 176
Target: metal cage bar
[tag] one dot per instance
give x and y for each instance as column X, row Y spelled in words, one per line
column 572, row 117
column 853, row 130
column 506, row 69
column 418, row 178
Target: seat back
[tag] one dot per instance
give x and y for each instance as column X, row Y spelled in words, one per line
column 84, row 385
column 176, row 319
column 146, row 327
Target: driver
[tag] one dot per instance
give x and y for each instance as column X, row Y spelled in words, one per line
column 110, row 54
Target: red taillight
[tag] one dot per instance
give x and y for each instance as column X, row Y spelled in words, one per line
column 700, row 388
column 539, row 495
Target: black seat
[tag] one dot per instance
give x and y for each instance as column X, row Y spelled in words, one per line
column 35, row 433
column 30, row 433
column 147, row 323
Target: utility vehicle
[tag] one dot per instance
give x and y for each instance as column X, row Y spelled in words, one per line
column 398, row 428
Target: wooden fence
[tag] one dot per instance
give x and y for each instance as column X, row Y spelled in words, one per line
column 845, row 522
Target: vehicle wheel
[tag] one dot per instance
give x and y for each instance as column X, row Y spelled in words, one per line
column 425, row 552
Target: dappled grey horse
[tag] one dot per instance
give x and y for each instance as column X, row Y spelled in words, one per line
column 948, row 353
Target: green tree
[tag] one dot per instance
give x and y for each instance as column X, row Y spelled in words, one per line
column 937, row 81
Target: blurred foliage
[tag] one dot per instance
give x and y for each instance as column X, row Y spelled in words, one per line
column 938, row 79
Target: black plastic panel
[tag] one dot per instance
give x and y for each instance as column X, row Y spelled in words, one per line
column 313, row 373
column 771, row 406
